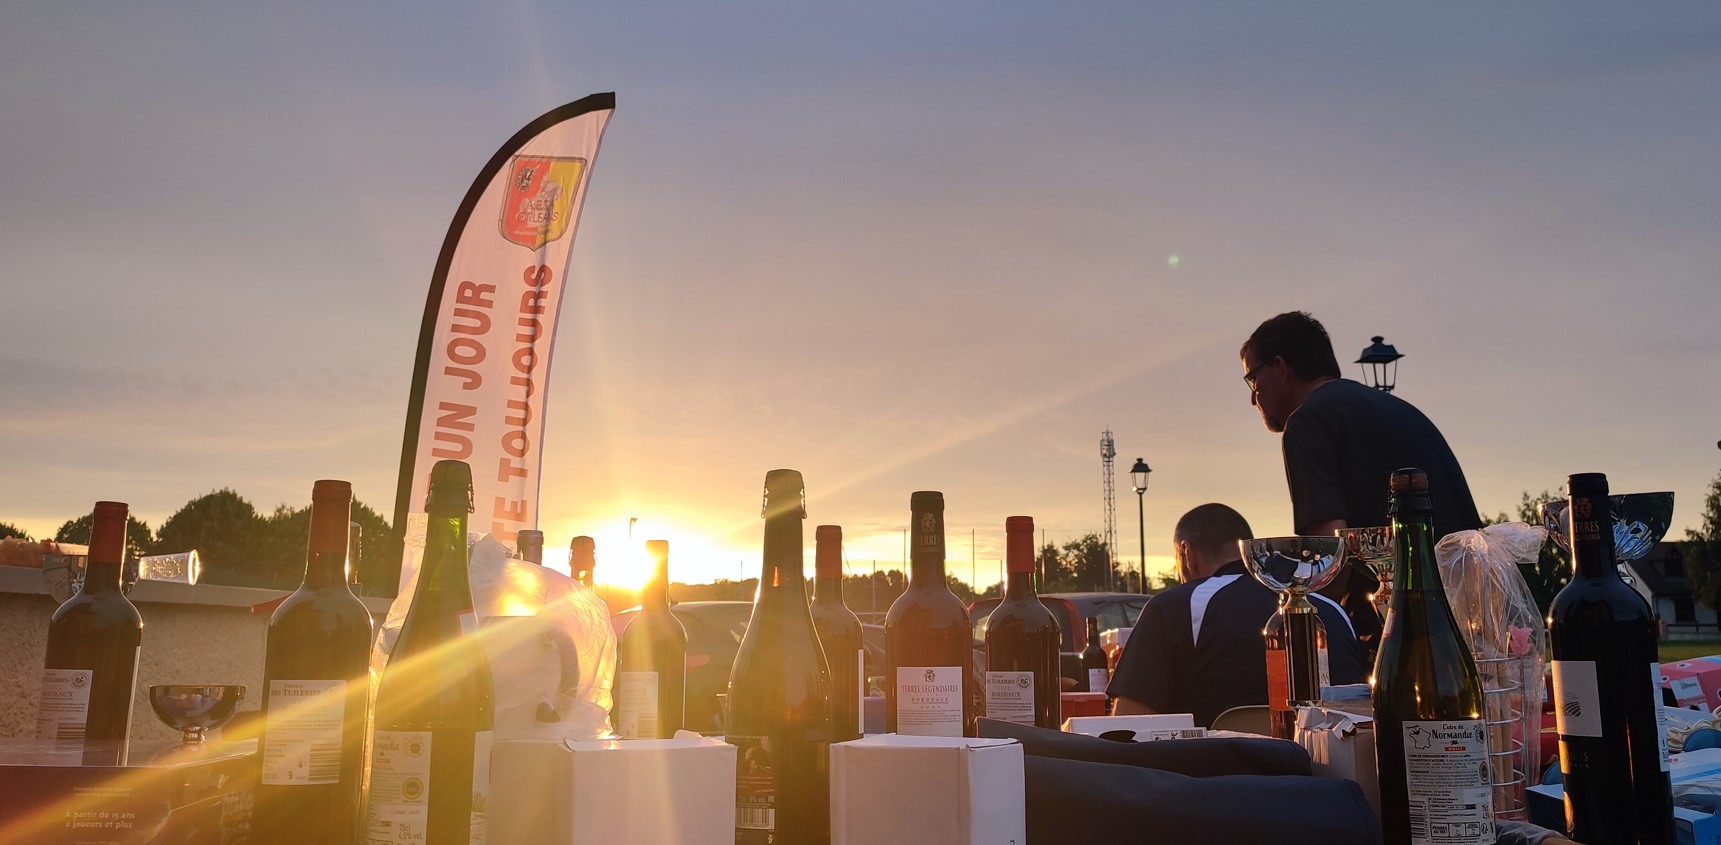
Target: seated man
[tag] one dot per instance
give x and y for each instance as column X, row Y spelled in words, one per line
column 1197, row 647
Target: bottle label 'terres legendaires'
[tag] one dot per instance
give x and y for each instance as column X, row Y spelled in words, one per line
column 65, row 704
column 929, row 700
column 1451, row 789
column 399, row 787
column 755, row 790
column 302, row 732
column 1097, row 680
column 636, row 705
column 1010, row 697
column 1578, row 698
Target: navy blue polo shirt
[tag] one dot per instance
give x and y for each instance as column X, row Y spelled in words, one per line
column 1197, row 647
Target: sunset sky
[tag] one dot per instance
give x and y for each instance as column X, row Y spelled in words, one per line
column 983, row 232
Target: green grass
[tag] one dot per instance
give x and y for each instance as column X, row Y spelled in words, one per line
column 1673, row 651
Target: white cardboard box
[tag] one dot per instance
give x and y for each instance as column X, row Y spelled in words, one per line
column 1147, row 727
column 613, row 792
column 1341, row 745
column 927, row 790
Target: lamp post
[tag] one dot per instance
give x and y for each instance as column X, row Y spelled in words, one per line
column 1380, row 364
column 1138, row 479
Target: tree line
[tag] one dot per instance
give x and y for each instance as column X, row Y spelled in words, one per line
column 237, row 545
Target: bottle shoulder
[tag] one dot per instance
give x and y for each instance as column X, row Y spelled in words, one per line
column 939, row 603
column 106, row 609
column 1597, row 599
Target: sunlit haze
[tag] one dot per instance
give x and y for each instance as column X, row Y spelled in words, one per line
column 896, row 246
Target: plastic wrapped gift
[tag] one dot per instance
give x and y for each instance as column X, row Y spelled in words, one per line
column 1507, row 637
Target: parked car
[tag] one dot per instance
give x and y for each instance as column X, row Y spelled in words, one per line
column 1114, row 610
column 714, row 631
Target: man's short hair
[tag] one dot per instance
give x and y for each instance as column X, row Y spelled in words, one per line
column 1299, row 339
column 1213, row 529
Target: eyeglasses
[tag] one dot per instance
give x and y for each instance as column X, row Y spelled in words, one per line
column 1249, row 377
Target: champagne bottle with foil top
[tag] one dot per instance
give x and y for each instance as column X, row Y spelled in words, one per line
column 928, row 644
column 531, row 544
column 651, row 661
column 435, row 706
column 1022, row 642
column 316, row 688
column 839, row 634
column 1607, row 688
column 94, row 639
column 1431, row 737
column 780, row 692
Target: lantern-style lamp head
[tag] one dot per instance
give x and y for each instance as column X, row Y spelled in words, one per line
column 1138, row 476
column 1380, row 364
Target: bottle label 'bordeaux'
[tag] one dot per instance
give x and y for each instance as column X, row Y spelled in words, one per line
column 929, row 700
column 1451, row 790
column 302, row 735
column 65, row 704
column 1010, row 697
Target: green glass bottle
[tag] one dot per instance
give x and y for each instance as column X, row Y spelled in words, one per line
column 1431, row 736
column 780, row 692
column 435, row 707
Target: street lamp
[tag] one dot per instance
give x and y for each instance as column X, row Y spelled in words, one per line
column 1138, row 480
column 1380, row 364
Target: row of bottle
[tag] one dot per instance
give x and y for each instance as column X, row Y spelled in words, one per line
column 1432, row 732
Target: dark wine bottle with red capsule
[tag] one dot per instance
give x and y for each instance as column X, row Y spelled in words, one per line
column 316, row 687
column 839, row 635
column 1022, row 642
column 94, row 638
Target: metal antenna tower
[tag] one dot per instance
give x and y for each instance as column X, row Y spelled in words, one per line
column 1108, row 452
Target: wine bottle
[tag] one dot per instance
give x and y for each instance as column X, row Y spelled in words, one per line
column 780, row 692
column 435, row 708
column 531, row 543
column 928, row 645
column 1606, row 681
column 93, row 645
column 582, row 559
column 317, row 686
column 1022, row 642
column 839, row 634
column 1431, row 739
column 1095, row 673
column 651, row 661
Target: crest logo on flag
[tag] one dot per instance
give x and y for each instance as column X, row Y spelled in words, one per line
column 538, row 207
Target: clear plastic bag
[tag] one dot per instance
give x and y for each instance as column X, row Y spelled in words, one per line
column 1508, row 638
column 548, row 639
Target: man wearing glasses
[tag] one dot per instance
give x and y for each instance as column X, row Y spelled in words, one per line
column 1342, row 441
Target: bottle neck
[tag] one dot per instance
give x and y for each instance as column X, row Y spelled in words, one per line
column 443, row 585
column 656, row 593
column 326, row 550
column 1592, row 536
column 926, row 573
column 101, row 577
column 1413, row 547
column 783, row 573
column 1019, row 586
column 828, row 589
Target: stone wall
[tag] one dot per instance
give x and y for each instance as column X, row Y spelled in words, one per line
column 191, row 634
